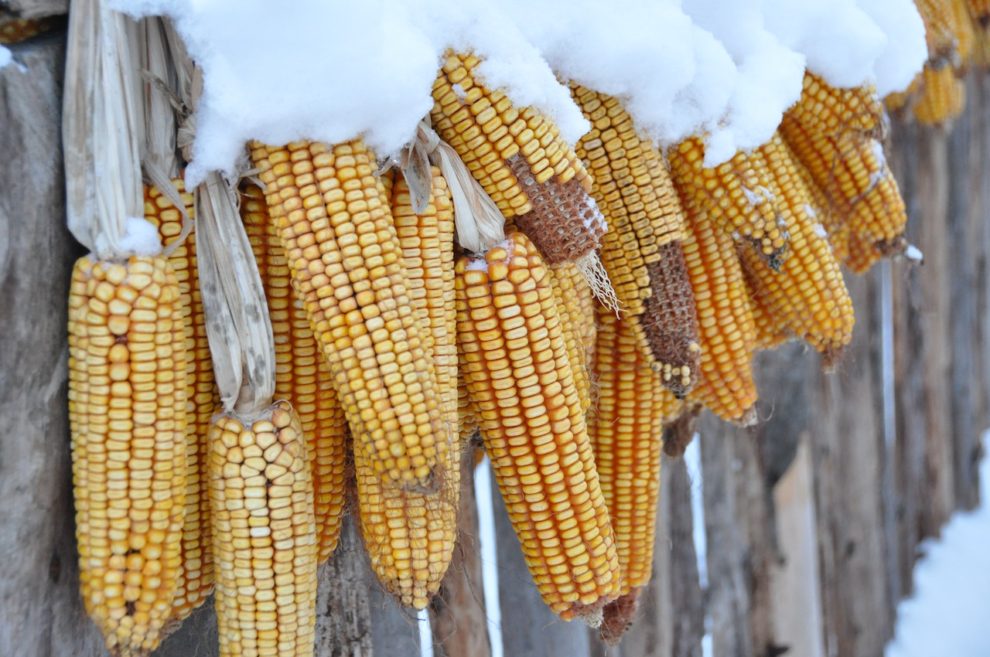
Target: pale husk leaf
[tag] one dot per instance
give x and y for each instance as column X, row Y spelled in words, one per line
column 101, row 127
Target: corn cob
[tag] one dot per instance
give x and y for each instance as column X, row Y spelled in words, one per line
column 196, row 576
column 948, row 35
column 626, row 433
column 467, row 419
column 346, row 262
column 14, row 29
column 862, row 193
column 409, row 534
column 264, row 535
column 827, row 110
column 487, row 131
column 771, row 331
column 941, row 96
column 127, row 408
column 808, row 294
column 565, row 295
column 520, row 381
column 733, row 194
column 725, row 321
column 632, row 186
column 979, row 11
column 641, row 252
column 302, row 377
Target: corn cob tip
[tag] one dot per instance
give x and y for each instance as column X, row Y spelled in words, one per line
column 618, row 617
column 748, row 418
column 831, row 357
column 679, row 432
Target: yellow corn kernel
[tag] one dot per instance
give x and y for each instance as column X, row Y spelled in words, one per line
column 725, row 322
column 733, row 195
column 487, row 131
column 346, row 262
column 302, row 376
column 202, row 398
column 127, row 409
column 808, row 294
column 410, row 534
column 633, row 189
column 948, row 32
column 521, row 383
column 264, row 535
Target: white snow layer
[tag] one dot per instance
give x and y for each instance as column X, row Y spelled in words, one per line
column 947, row 615
column 5, row 57
column 332, row 70
column 140, row 237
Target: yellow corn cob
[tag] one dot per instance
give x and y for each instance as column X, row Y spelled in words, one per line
column 565, row 295
column 14, row 29
column 965, row 31
column 945, row 36
column 641, row 251
column 979, row 11
column 346, row 262
column 127, row 408
column 264, row 535
column 626, row 433
column 196, row 578
column 852, row 173
column 410, row 534
column 808, row 294
column 725, row 321
column 941, row 96
column 827, row 110
column 487, row 131
column 302, row 376
column 520, row 381
column 733, row 195
column 821, row 208
column 633, row 188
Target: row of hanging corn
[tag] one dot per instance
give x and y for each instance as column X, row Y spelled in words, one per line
column 398, row 339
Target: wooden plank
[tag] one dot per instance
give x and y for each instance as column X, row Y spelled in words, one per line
column 795, row 584
column 39, row 596
column 457, row 614
column 529, row 628
column 671, row 615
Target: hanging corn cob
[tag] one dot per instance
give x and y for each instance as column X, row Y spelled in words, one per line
column 733, row 195
column 410, row 534
column 14, row 29
column 641, row 252
column 633, row 406
column 127, row 360
column 807, row 295
column 531, row 174
column 852, row 173
column 301, row 375
column 520, row 381
column 345, row 259
column 941, row 96
column 261, row 489
column 196, row 575
column 725, row 321
column 127, row 407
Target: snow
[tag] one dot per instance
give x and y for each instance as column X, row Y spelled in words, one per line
column 333, row 70
column 699, row 534
column 140, row 237
column 5, row 57
column 947, row 615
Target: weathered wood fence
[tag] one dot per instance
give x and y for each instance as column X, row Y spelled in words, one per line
column 811, row 520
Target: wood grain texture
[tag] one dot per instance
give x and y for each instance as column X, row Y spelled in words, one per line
column 37, row 8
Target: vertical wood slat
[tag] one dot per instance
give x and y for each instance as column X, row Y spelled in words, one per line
column 40, row 607
column 457, row 613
